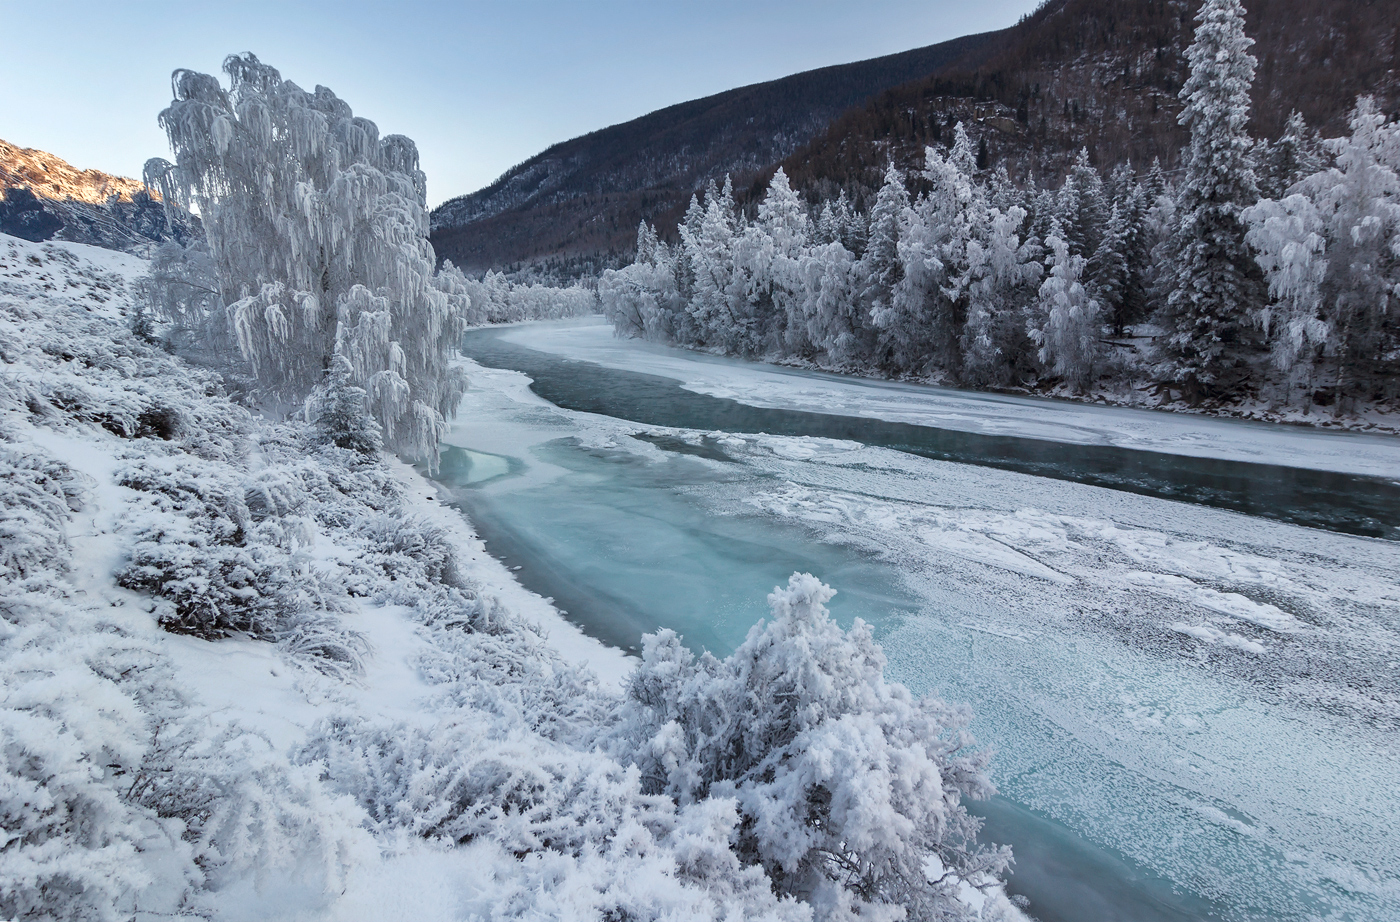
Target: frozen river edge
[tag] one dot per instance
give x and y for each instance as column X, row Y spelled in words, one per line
column 1199, row 577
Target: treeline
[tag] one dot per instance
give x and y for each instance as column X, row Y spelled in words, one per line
column 1260, row 270
column 494, row 298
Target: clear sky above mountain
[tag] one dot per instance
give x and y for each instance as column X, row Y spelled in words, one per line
column 479, row 86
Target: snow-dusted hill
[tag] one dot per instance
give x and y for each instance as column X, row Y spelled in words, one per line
column 247, row 676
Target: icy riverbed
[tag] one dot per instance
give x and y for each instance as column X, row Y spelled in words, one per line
column 1194, row 710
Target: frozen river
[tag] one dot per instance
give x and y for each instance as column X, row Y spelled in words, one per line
column 1180, row 635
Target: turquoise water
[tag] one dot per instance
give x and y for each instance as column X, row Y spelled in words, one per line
column 1138, row 782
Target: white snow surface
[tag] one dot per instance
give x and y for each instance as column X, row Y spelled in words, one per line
column 760, row 385
column 420, row 681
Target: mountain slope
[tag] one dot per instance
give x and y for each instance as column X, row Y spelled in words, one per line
column 588, row 194
column 1105, row 75
column 1101, row 74
column 43, row 196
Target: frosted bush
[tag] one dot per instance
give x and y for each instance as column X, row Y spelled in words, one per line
column 846, row 785
column 200, row 549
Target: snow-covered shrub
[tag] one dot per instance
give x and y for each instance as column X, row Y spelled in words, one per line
column 846, row 785
column 245, row 810
column 221, row 570
column 36, row 495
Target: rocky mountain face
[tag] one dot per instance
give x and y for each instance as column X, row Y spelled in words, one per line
column 582, row 200
column 1096, row 74
column 44, row 197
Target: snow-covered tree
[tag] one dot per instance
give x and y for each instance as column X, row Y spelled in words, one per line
column 1216, row 284
column 832, row 304
column 338, row 411
column 317, row 229
column 1069, row 321
column 846, row 785
column 770, row 254
column 642, row 299
column 880, row 269
column 1003, row 276
column 922, row 325
column 1331, row 253
column 719, row 290
column 1082, row 207
column 1289, row 159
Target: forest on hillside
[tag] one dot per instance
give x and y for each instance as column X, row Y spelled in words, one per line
column 1259, row 270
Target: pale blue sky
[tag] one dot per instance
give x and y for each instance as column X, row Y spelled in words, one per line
column 479, row 86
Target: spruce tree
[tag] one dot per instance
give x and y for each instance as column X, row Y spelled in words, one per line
column 339, row 411
column 1216, row 282
column 880, row 269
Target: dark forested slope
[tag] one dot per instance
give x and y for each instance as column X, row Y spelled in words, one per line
column 587, row 195
column 1104, row 74
column 1101, row 74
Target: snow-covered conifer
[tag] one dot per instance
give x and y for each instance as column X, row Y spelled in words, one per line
column 1216, row 284
column 1289, row 159
column 338, row 411
column 880, row 269
column 1082, row 207
column 715, row 305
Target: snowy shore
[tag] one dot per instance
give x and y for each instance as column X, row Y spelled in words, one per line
column 762, row 385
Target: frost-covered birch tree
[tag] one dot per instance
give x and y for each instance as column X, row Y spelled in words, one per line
column 1002, row 277
column 1331, row 252
column 1070, row 321
column 318, row 231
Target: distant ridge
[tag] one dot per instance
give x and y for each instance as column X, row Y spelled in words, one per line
column 586, row 196
column 42, row 196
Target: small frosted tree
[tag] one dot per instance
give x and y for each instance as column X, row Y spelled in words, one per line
column 339, row 411
column 1217, row 283
column 317, row 230
column 1069, row 321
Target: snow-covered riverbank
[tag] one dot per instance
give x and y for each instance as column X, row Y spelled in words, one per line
column 761, row 385
column 248, row 674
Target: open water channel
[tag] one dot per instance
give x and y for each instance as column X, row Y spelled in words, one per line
column 1188, row 668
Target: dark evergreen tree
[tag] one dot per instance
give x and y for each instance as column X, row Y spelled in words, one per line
column 1217, row 283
